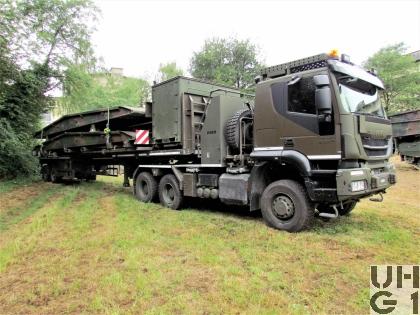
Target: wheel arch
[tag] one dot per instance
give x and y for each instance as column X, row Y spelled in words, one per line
column 294, row 166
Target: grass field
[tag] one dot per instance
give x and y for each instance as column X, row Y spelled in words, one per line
column 92, row 248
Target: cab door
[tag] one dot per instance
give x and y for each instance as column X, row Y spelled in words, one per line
column 295, row 122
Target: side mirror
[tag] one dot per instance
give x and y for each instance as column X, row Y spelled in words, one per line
column 323, row 99
column 323, row 93
column 321, row 80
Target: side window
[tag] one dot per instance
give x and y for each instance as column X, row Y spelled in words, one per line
column 301, row 97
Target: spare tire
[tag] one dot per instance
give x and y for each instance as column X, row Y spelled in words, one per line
column 232, row 135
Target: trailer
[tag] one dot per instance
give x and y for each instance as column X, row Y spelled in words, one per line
column 313, row 141
column 406, row 132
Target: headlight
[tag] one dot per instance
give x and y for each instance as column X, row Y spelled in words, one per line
column 357, row 173
column 358, row 185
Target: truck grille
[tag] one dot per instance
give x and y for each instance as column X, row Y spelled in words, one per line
column 371, row 152
column 375, row 147
column 374, row 142
column 310, row 66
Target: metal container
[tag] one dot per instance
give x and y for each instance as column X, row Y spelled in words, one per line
column 178, row 109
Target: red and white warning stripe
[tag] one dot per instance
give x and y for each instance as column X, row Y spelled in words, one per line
column 142, row 137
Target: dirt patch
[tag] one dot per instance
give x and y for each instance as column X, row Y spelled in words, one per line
column 54, row 278
column 23, row 287
column 408, row 179
column 21, row 196
column 199, row 281
column 100, row 255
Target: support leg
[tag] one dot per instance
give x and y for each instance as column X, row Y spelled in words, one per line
column 126, row 182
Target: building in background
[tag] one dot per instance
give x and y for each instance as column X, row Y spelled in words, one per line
column 416, row 55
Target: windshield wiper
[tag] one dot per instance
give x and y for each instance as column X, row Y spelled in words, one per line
column 361, row 105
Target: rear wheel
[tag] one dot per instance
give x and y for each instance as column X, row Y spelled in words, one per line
column 169, row 192
column 45, row 173
column 54, row 177
column 91, row 177
column 285, row 206
column 347, row 208
column 146, row 187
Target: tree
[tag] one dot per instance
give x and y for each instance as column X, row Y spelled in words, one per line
column 168, row 71
column 39, row 40
column 54, row 33
column 21, row 102
column 232, row 62
column 401, row 77
column 100, row 89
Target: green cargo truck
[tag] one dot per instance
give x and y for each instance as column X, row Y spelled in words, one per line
column 406, row 132
column 312, row 142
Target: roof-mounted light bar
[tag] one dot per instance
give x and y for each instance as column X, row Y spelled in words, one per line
column 309, row 63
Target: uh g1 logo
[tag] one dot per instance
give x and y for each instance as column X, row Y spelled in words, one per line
column 394, row 289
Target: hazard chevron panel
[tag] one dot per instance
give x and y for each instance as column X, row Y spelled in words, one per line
column 142, row 137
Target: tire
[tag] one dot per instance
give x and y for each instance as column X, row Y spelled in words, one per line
column 231, row 130
column 285, row 206
column 347, row 208
column 91, row 178
column 54, row 178
column 146, row 187
column 45, row 173
column 170, row 195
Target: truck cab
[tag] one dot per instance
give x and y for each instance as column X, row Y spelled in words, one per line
column 322, row 116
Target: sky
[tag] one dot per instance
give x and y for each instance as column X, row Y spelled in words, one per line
column 139, row 35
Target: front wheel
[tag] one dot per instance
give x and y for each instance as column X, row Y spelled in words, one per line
column 285, row 206
column 169, row 192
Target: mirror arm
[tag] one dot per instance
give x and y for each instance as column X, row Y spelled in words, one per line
column 325, row 117
column 294, row 80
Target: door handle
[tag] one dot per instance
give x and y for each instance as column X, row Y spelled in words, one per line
column 288, row 143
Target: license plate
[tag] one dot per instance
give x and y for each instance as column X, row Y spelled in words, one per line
column 358, row 185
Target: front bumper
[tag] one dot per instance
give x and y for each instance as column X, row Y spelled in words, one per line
column 376, row 180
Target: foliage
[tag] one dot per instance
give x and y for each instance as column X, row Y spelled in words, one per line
column 400, row 75
column 53, row 32
column 89, row 91
column 39, row 40
column 168, row 71
column 22, row 101
column 231, row 61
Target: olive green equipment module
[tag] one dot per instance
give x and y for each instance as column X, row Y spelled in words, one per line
column 313, row 141
column 406, row 132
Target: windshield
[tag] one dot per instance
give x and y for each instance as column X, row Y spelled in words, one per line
column 359, row 96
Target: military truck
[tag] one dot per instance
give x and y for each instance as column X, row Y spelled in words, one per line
column 406, row 132
column 312, row 142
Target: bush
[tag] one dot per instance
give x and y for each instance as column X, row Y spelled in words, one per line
column 22, row 101
column 15, row 153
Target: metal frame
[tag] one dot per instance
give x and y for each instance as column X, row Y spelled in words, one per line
column 286, row 68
